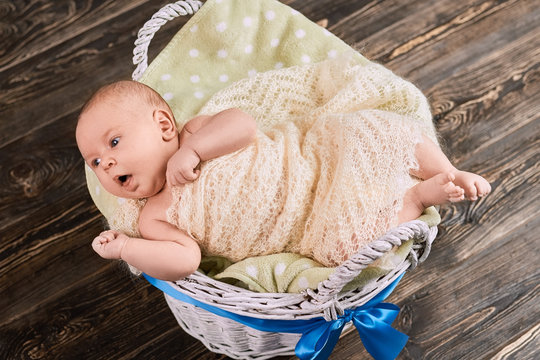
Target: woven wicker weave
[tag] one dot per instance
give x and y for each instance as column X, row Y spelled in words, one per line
column 223, row 335
column 229, row 337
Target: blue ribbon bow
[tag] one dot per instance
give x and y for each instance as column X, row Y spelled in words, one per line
column 372, row 320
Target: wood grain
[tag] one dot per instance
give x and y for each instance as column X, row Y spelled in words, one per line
column 476, row 296
column 96, row 56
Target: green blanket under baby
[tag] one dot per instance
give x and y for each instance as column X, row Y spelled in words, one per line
column 224, row 42
column 293, row 273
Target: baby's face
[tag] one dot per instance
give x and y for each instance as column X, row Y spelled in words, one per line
column 125, row 148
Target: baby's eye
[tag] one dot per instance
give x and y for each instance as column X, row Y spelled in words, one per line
column 115, row 141
column 96, row 162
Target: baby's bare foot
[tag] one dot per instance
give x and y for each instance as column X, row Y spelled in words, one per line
column 436, row 190
column 439, row 189
column 474, row 185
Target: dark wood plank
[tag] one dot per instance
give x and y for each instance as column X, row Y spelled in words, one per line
column 35, row 27
column 92, row 56
column 454, row 333
column 71, row 324
column 524, row 347
column 476, row 296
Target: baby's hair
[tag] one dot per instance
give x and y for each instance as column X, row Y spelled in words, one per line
column 123, row 89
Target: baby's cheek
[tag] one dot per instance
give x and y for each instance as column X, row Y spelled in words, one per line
column 111, row 187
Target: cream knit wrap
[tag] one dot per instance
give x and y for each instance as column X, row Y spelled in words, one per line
column 326, row 174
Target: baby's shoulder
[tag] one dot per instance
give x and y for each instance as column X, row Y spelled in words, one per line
column 156, row 207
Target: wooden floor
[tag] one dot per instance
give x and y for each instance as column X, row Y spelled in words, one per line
column 476, row 297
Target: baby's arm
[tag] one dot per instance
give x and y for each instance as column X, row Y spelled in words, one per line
column 207, row 137
column 173, row 257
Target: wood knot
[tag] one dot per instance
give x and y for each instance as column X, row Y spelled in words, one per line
column 24, row 176
column 6, row 7
column 405, row 318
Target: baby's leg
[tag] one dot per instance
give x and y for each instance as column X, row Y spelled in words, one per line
column 432, row 161
column 434, row 191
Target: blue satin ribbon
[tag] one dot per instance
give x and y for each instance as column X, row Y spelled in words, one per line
column 373, row 321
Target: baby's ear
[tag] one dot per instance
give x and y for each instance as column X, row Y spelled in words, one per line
column 166, row 124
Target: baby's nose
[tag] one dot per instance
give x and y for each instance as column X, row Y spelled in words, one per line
column 108, row 163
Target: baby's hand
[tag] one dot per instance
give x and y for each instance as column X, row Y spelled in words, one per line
column 181, row 167
column 109, row 244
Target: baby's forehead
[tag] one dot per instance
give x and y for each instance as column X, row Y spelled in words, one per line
column 101, row 116
column 117, row 101
column 122, row 94
column 115, row 104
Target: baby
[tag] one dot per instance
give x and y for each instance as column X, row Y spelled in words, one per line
column 127, row 134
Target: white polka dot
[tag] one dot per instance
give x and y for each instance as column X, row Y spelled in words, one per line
column 194, row 28
column 278, row 65
column 294, row 12
column 300, row 33
column 223, row 77
column 221, row 27
column 168, row 96
column 252, row 271
column 248, row 49
column 222, row 53
column 303, row 282
column 326, row 32
column 279, row 269
column 332, row 54
column 247, row 21
column 193, row 52
column 306, row 266
column 98, row 190
column 306, row 59
column 195, row 78
column 252, row 72
column 270, row 15
column 198, row 94
column 274, row 42
column 121, row 201
column 165, row 77
column 396, row 259
column 219, row 1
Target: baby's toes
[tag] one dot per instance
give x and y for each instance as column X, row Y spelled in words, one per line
column 456, row 194
column 471, row 192
column 483, row 187
column 445, row 179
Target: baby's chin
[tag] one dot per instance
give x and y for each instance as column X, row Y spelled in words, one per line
column 139, row 193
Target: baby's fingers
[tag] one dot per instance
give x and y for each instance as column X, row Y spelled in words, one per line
column 184, row 177
column 99, row 244
column 191, row 175
column 176, row 179
column 109, row 235
column 109, row 244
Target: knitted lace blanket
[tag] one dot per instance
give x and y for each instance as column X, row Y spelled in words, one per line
column 327, row 172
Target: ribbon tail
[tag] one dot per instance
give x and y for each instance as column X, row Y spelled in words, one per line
column 380, row 339
column 318, row 342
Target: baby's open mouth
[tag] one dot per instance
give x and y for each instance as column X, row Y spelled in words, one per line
column 123, row 179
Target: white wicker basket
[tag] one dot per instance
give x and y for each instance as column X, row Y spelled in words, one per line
column 223, row 335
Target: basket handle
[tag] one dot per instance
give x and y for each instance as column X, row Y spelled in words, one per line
column 346, row 272
column 146, row 33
